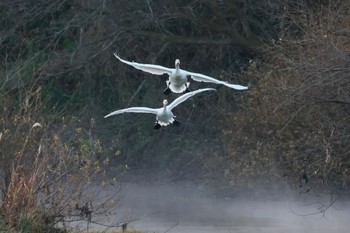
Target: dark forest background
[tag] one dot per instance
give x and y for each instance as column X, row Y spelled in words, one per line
column 57, row 69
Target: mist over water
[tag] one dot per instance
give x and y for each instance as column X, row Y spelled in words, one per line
column 185, row 208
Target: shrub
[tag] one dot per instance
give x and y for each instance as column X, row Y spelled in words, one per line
column 296, row 118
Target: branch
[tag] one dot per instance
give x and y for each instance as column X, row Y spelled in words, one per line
column 250, row 43
column 172, row 227
column 323, row 208
column 320, row 100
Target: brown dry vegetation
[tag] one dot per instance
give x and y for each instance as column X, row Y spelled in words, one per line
column 57, row 68
column 297, row 118
column 47, row 168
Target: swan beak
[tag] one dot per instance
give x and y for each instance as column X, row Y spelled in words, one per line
column 177, row 62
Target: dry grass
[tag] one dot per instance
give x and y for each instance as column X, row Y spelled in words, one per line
column 48, row 168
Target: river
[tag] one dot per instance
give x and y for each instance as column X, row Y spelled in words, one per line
column 184, row 208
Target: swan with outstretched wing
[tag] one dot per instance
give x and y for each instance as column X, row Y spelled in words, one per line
column 164, row 115
column 178, row 78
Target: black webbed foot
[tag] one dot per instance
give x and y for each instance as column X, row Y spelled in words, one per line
column 177, row 123
column 157, row 126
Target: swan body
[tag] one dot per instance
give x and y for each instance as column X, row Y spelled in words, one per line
column 178, row 78
column 164, row 115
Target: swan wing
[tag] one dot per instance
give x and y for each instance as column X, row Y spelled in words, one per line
column 134, row 110
column 184, row 97
column 203, row 78
column 153, row 69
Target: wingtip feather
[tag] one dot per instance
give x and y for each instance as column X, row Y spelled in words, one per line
column 116, row 55
column 237, row 87
column 108, row 115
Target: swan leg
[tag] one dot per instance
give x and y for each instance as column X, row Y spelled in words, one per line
column 157, row 125
column 167, row 91
column 177, row 123
column 187, row 87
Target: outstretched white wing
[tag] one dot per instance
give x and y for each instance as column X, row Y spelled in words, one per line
column 153, row 69
column 134, row 110
column 184, row 97
column 203, row 78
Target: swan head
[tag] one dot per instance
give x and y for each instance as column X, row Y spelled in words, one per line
column 165, row 103
column 177, row 63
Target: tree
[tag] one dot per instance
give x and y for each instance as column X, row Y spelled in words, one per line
column 296, row 118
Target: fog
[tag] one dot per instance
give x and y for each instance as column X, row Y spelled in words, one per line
column 191, row 208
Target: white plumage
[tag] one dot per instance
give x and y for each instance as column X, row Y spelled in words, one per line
column 178, row 78
column 164, row 115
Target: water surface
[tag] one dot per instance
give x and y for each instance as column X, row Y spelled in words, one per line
column 192, row 209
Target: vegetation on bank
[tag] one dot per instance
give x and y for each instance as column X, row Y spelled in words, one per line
column 295, row 122
column 59, row 78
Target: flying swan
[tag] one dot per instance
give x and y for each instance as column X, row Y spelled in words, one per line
column 177, row 82
column 164, row 115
